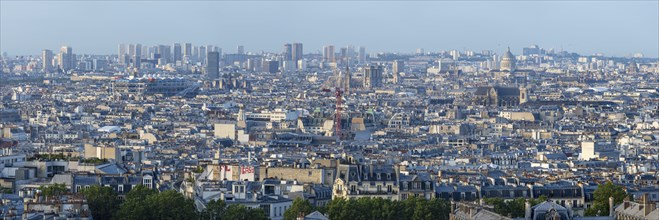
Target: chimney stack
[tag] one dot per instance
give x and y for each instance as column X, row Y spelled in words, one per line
column 648, row 206
column 610, row 206
column 527, row 210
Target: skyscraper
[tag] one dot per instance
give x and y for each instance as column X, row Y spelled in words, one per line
column 241, row 49
column 288, row 52
column 202, row 53
column 137, row 56
column 187, row 50
column 213, row 65
column 296, row 52
column 398, row 66
column 66, row 58
column 362, row 55
column 373, row 76
column 47, row 61
column 177, row 53
column 165, row 53
column 328, row 53
column 121, row 55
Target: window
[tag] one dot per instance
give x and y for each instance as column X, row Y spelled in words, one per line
column 121, row 188
column 78, row 188
column 389, row 188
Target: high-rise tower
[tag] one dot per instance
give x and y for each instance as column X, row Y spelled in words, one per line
column 66, row 58
column 296, row 53
column 213, row 65
column 47, row 61
column 177, row 55
column 328, row 53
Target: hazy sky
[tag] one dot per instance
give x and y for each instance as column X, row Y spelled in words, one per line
column 617, row 28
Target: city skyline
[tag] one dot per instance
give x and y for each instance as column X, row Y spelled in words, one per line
column 380, row 28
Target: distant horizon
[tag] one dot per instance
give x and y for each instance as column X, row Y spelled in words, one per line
column 98, row 27
column 515, row 51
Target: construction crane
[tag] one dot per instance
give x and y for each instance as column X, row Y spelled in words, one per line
column 337, row 112
column 339, row 100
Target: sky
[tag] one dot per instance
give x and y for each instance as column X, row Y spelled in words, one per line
column 614, row 28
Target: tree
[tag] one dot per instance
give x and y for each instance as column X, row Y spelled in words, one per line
column 54, row 190
column 384, row 209
column 102, row 201
column 215, row 210
column 299, row 206
column 139, row 193
column 170, row 205
column 240, row 212
column 144, row 203
column 514, row 208
column 601, row 199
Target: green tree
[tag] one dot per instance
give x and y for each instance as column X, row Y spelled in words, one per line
column 335, row 208
column 422, row 210
column 139, row 193
column 514, row 208
column 240, row 212
column 601, row 196
column 383, row 209
column 215, row 210
column 299, row 206
column 144, row 203
column 54, row 190
column 440, row 208
column 170, row 205
column 103, row 201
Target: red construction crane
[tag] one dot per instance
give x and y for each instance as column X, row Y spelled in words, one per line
column 337, row 112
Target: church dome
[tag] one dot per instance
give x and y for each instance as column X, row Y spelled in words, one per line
column 508, row 61
column 508, row 55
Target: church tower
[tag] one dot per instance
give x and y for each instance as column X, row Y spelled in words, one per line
column 523, row 95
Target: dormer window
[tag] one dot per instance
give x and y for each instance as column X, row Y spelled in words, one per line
column 378, row 176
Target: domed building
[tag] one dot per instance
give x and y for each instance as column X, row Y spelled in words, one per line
column 508, row 61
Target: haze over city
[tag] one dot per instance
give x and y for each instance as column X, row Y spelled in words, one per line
column 614, row 28
column 329, row 110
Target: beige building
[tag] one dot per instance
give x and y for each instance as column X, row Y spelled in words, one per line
column 102, row 152
column 225, row 130
column 517, row 116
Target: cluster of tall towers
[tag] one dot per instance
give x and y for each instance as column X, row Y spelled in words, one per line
column 293, row 54
column 65, row 61
column 348, row 52
column 178, row 54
